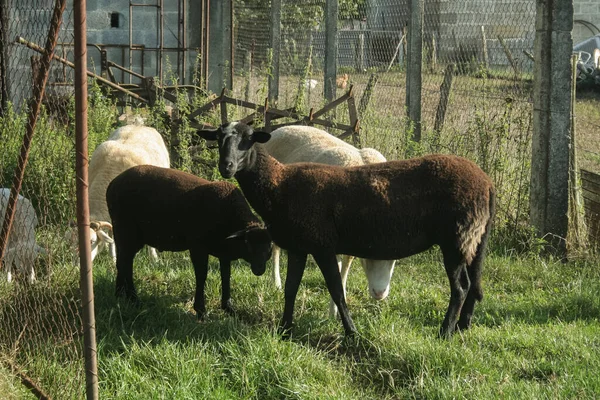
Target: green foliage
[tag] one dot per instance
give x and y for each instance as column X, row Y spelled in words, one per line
column 102, row 115
column 49, row 180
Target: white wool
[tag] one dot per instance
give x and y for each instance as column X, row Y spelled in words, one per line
column 22, row 249
column 126, row 147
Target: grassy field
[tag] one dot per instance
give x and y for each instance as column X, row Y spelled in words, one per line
column 535, row 335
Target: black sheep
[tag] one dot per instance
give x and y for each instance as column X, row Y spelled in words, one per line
column 171, row 210
column 379, row 211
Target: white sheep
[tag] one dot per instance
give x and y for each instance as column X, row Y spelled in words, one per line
column 22, row 249
column 297, row 143
column 127, row 146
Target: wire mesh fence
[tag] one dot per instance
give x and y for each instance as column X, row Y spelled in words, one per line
column 477, row 88
column 40, row 303
column 476, row 78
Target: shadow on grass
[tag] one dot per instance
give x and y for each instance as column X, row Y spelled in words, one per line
column 169, row 316
column 564, row 308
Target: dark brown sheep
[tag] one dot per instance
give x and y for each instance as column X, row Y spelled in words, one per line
column 172, row 210
column 379, row 211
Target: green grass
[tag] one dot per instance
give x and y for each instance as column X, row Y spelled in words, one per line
column 535, row 335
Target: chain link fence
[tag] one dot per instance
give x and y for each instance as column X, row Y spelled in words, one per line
column 41, row 335
column 477, row 78
column 477, row 89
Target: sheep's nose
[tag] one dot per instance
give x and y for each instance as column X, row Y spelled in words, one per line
column 378, row 294
column 229, row 165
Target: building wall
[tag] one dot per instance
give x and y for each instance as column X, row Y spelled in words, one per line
column 145, row 31
column 589, row 11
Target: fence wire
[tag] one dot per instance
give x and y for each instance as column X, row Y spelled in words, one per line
column 486, row 46
column 477, row 83
column 41, row 333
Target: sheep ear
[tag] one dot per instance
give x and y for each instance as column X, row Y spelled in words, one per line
column 261, row 137
column 208, row 134
column 237, row 235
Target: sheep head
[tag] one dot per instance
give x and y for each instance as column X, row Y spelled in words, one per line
column 235, row 140
column 379, row 273
column 98, row 237
column 256, row 247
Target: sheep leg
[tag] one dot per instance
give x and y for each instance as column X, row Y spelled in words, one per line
column 200, row 262
column 276, row 276
column 327, row 263
column 296, row 266
column 125, row 286
column 344, row 266
column 153, row 255
column 466, row 312
column 8, row 273
column 459, row 287
column 112, row 248
column 226, row 285
column 475, row 292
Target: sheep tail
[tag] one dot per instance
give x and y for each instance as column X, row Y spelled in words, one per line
column 476, row 267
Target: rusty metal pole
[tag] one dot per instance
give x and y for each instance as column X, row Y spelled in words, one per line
column 231, row 43
column 206, row 43
column 83, row 215
column 36, row 103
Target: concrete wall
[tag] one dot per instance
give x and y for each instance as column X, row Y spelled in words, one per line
column 145, row 31
column 586, row 10
column 453, row 23
column 32, row 23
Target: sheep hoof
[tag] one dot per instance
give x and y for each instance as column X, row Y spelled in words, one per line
column 445, row 334
column 129, row 295
column 200, row 315
column 351, row 333
column 285, row 332
column 228, row 308
column 464, row 323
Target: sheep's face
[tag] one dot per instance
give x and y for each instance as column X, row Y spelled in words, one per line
column 235, row 140
column 256, row 247
column 379, row 274
column 98, row 238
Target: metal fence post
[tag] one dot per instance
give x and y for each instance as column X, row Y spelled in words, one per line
column 83, row 215
column 549, row 198
column 331, row 46
column 413, row 70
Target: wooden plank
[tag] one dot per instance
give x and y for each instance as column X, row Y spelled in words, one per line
column 591, row 206
column 590, row 179
column 208, row 106
column 334, row 103
column 591, row 196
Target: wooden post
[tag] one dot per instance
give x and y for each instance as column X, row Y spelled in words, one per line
column 223, row 107
column 440, row 114
column 509, row 56
column 413, row 74
column 331, row 47
column 366, row 97
column 276, row 48
column 484, row 48
column 433, row 60
column 360, row 52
